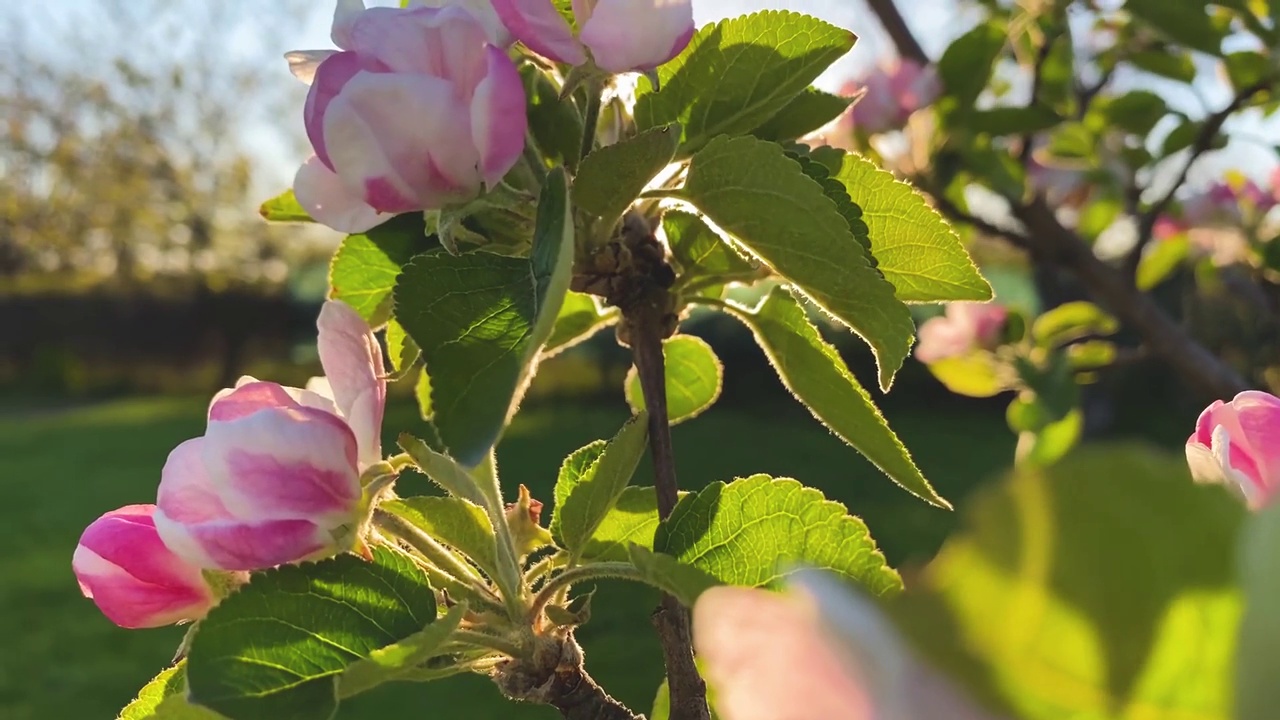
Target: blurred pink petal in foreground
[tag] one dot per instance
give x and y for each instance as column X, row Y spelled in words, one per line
column 817, row 651
column 1237, row 443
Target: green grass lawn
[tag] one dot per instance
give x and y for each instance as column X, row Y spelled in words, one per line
column 60, row 470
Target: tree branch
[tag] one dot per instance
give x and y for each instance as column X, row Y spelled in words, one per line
column 1166, row 339
column 899, row 32
column 1202, row 143
column 688, row 690
column 1049, row 242
column 555, row 676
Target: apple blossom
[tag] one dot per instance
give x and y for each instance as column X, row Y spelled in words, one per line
column 965, row 327
column 893, row 92
column 620, row 35
column 137, row 582
column 816, row 651
column 276, row 476
column 419, row 110
column 1237, row 443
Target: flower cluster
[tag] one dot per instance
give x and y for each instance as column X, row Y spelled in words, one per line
column 276, row 478
column 423, row 108
column 816, row 651
column 1224, row 204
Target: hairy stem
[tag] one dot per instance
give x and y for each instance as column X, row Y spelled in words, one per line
column 688, row 691
column 594, row 571
column 433, row 551
column 583, row 699
column 590, row 118
column 485, row 640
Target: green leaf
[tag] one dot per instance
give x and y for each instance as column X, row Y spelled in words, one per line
column 460, row 524
column 580, row 317
column 668, row 574
column 966, row 64
column 808, row 111
column 401, row 349
column 815, row 169
column 1137, row 111
column 1050, row 443
column 1181, row 137
column 1091, row 354
column 1258, row 652
column 555, row 124
column 737, row 74
column 396, row 660
column 611, row 178
column 1167, row 63
column 816, row 374
column 1100, row 587
column 164, row 699
column 1247, row 68
column 693, row 374
column 284, row 208
column 591, row 481
column 977, row 374
column 1184, row 22
column 274, row 649
column 442, row 470
column 422, row 393
column 915, row 248
column 364, row 268
column 763, row 199
column 633, row 519
column 754, row 530
column 1160, row 260
column 481, row 320
column 699, row 251
column 1072, row 321
column 1009, row 120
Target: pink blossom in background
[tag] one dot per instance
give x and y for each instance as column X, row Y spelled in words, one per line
column 893, row 93
column 965, row 327
column 137, row 582
column 817, row 651
column 620, row 35
column 276, row 476
column 1237, row 443
column 419, row 110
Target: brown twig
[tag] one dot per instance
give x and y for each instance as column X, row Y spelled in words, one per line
column 554, row 675
column 632, row 273
column 688, row 691
column 899, row 32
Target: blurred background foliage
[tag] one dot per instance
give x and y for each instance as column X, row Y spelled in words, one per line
column 136, row 277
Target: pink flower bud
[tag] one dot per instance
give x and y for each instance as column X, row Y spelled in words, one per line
column 420, row 110
column 1238, row 444
column 621, row 35
column 817, row 651
column 894, row 91
column 276, row 476
column 965, row 327
column 132, row 577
